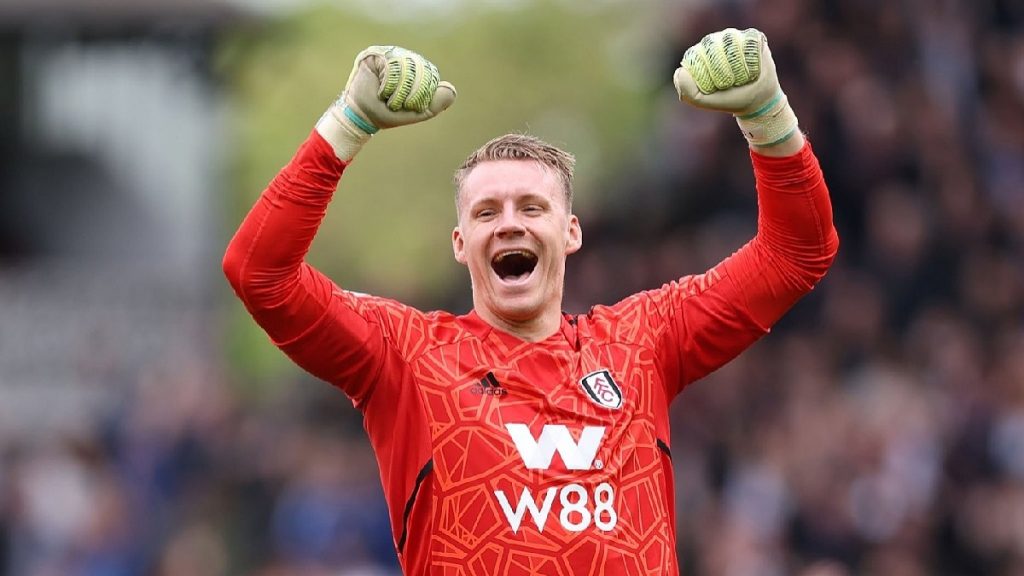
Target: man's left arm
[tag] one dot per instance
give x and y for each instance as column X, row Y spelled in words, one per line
column 717, row 315
column 796, row 241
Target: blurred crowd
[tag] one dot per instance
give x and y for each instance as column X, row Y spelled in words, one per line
column 879, row 430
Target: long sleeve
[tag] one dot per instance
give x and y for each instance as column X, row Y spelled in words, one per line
column 333, row 334
column 264, row 261
column 796, row 241
column 710, row 318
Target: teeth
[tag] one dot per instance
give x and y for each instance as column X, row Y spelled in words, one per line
column 502, row 255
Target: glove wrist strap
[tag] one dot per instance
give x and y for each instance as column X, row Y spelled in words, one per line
column 772, row 123
column 338, row 128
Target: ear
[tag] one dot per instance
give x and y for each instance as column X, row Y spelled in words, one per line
column 458, row 246
column 575, row 239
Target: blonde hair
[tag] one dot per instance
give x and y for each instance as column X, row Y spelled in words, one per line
column 520, row 147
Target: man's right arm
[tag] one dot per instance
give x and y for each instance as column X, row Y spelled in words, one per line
column 288, row 298
column 265, row 261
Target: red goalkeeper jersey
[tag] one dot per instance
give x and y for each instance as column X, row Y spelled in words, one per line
column 504, row 457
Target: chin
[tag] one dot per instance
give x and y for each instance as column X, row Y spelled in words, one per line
column 519, row 312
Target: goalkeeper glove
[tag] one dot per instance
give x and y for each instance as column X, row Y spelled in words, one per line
column 733, row 71
column 388, row 87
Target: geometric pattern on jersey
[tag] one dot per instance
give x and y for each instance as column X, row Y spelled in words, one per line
column 535, row 477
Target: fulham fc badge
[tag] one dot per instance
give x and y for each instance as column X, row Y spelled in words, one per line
column 602, row 389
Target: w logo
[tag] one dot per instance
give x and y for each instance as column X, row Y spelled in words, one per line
column 538, row 452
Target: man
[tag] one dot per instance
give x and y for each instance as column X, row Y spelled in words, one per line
column 517, row 439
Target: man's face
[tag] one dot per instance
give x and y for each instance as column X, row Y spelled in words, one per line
column 514, row 233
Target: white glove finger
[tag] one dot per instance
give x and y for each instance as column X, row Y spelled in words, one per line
column 444, row 97
column 687, row 87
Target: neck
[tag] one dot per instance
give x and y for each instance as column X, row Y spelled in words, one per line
column 533, row 329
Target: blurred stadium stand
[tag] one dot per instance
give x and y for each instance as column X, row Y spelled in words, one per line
column 110, row 132
column 110, row 139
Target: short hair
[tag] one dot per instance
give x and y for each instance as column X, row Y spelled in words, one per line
column 520, row 147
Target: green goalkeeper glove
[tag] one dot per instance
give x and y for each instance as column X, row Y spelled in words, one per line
column 733, row 71
column 388, row 87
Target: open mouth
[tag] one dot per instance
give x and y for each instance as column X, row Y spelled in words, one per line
column 514, row 265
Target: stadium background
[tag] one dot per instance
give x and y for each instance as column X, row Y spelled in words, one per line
column 146, row 427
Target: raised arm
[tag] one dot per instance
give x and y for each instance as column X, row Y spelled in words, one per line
column 717, row 315
column 322, row 329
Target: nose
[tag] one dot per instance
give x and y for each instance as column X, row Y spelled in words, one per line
column 509, row 225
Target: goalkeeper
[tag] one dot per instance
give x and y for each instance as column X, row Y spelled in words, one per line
column 517, row 439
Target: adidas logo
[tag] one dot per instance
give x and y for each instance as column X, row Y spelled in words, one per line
column 488, row 386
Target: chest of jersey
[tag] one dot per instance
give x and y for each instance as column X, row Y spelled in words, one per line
column 541, row 440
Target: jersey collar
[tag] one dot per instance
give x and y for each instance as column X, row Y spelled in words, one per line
column 566, row 334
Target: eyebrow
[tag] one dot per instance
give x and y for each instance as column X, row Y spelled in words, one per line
column 529, row 197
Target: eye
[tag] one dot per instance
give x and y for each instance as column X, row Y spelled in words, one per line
column 485, row 213
column 533, row 209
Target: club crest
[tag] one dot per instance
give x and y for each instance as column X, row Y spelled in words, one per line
column 602, row 389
